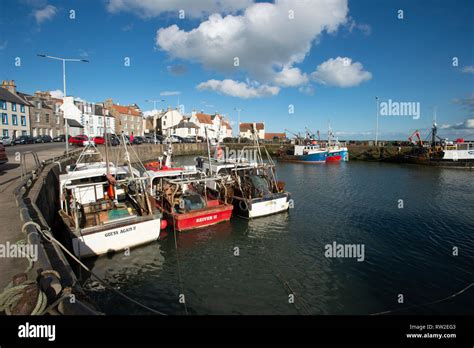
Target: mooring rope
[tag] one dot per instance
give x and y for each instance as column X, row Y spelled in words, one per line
column 427, row 303
column 179, row 267
column 12, row 294
column 49, row 237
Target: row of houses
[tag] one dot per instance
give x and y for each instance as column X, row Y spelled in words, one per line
column 42, row 114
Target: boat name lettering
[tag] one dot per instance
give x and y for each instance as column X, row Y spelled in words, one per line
column 123, row 230
column 207, row 218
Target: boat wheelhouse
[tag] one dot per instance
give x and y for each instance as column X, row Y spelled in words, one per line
column 188, row 198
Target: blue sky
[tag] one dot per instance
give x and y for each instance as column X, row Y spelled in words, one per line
column 405, row 60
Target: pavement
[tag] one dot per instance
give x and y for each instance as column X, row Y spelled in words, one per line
column 10, row 223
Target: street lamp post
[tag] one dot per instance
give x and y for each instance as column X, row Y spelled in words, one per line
column 154, row 108
column 238, row 123
column 377, row 120
column 64, row 60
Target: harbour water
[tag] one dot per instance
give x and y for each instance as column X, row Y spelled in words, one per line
column 408, row 218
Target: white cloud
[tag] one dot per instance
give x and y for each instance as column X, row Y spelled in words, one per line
column 57, row 93
column 290, row 77
column 239, row 89
column 191, row 8
column 150, row 113
column 466, row 124
column 265, row 39
column 468, row 69
column 44, row 14
column 308, row 90
column 169, row 93
column 341, row 72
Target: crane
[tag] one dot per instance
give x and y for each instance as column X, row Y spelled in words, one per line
column 418, row 135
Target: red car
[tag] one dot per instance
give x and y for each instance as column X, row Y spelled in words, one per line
column 79, row 140
column 98, row 140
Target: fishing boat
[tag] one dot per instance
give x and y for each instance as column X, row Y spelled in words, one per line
column 252, row 182
column 105, row 207
column 438, row 151
column 187, row 198
column 307, row 153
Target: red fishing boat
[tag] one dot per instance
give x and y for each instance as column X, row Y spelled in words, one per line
column 187, row 197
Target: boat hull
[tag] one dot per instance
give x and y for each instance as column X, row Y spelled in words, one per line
column 116, row 239
column 259, row 207
column 198, row 218
column 319, row 157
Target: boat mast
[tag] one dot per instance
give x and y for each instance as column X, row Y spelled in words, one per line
column 208, row 151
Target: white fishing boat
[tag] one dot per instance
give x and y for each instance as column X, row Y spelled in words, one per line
column 255, row 190
column 105, row 207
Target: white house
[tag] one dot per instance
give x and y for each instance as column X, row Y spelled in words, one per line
column 186, row 129
column 96, row 119
column 246, row 130
column 72, row 115
column 168, row 119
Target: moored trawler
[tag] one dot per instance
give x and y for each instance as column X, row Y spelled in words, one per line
column 255, row 189
column 187, row 198
column 105, row 208
column 440, row 152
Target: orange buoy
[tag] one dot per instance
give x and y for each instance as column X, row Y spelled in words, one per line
column 110, row 192
column 163, row 224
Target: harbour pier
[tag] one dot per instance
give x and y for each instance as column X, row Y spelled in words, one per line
column 28, row 207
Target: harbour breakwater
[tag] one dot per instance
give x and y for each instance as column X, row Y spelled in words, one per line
column 370, row 153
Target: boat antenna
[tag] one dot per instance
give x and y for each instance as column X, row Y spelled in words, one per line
column 208, row 151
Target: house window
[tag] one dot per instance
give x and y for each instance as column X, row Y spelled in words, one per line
column 24, row 132
column 22, row 108
column 100, row 121
column 4, row 104
column 47, row 118
column 38, row 104
column 23, row 120
column 4, row 118
column 13, row 106
column 107, row 121
column 37, row 117
column 57, row 119
column 5, row 132
column 91, row 130
column 15, row 120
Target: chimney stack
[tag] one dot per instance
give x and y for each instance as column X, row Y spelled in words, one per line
column 9, row 85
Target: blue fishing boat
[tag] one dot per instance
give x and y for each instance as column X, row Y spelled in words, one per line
column 311, row 153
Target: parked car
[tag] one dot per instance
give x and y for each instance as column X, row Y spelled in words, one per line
column 24, row 139
column 3, row 155
column 43, row 139
column 151, row 139
column 60, row 138
column 138, row 140
column 176, row 139
column 113, row 139
column 98, row 140
column 7, row 141
column 188, row 140
column 79, row 140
